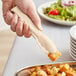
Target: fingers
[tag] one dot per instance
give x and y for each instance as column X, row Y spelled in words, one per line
column 19, row 27
column 8, row 17
column 35, row 18
column 14, row 22
column 26, row 31
column 7, row 5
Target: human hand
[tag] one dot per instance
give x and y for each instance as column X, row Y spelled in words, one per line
column 17, row 24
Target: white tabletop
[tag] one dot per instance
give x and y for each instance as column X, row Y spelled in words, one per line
column 26, row 52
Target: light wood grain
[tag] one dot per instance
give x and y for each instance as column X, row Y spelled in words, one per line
column 6, row 41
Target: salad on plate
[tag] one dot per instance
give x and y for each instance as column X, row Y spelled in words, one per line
column 62, row 10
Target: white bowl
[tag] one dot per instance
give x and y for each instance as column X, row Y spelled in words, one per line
column 40, row 11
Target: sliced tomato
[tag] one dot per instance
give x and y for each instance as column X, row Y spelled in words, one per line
column 53, row 12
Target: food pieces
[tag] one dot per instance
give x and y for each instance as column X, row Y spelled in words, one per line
column 55, row 56
column 61, row 74
column 41, row 73
column 48, row 70
column 53, row 12
column 65, row 3
column 24, row 73
column 64, row 67
column 69, row 73
column 52, row 71
column 62, row 10
column 33, row 74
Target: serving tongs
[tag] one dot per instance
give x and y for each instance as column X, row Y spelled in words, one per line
column 44, row 42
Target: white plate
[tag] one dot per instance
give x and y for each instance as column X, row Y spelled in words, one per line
column 72, row 56
column 73, row 32
column 73, row 41
column 40, row 11
column 73, row 45
column 72, row 50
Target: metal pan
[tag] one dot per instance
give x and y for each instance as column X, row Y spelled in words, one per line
column 24, row 70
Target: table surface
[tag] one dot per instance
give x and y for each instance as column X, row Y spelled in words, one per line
column 6, row 41
column 26, row 52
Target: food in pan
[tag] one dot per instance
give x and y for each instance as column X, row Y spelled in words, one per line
column 62, row 10
column 48, row 70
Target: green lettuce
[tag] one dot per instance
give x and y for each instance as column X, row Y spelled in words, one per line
column 71, row 11
column 68, row 13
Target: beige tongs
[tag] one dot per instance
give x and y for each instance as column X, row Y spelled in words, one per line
column 44, row 42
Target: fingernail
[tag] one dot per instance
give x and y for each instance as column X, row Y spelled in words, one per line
column 40, row 27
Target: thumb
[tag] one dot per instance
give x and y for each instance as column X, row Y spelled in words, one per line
column 35, row 18
column 7, row 14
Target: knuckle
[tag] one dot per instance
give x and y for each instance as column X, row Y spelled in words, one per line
column 13, row 22
column 5, row 19
column 13, row 29
column 27, row 35
column 19, row 34
column 19, row 31
column 18, row 28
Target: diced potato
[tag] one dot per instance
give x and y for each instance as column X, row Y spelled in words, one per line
column 38, row 68
column 61, row 74
column 41, row 73
column 58, row 74
column 69, row 73
column 55, row 56
column 24, row 73
column 49, row 72
column 55, row 69
column 64, row 67
column 33, row 74
column 50, row 75
column 52, row 71
column 32, row 70
column 70, row 69
column 46, row 67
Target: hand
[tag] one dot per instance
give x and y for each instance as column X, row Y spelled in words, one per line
column 17, row 24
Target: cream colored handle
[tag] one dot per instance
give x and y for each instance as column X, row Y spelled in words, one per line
column 45, row 43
